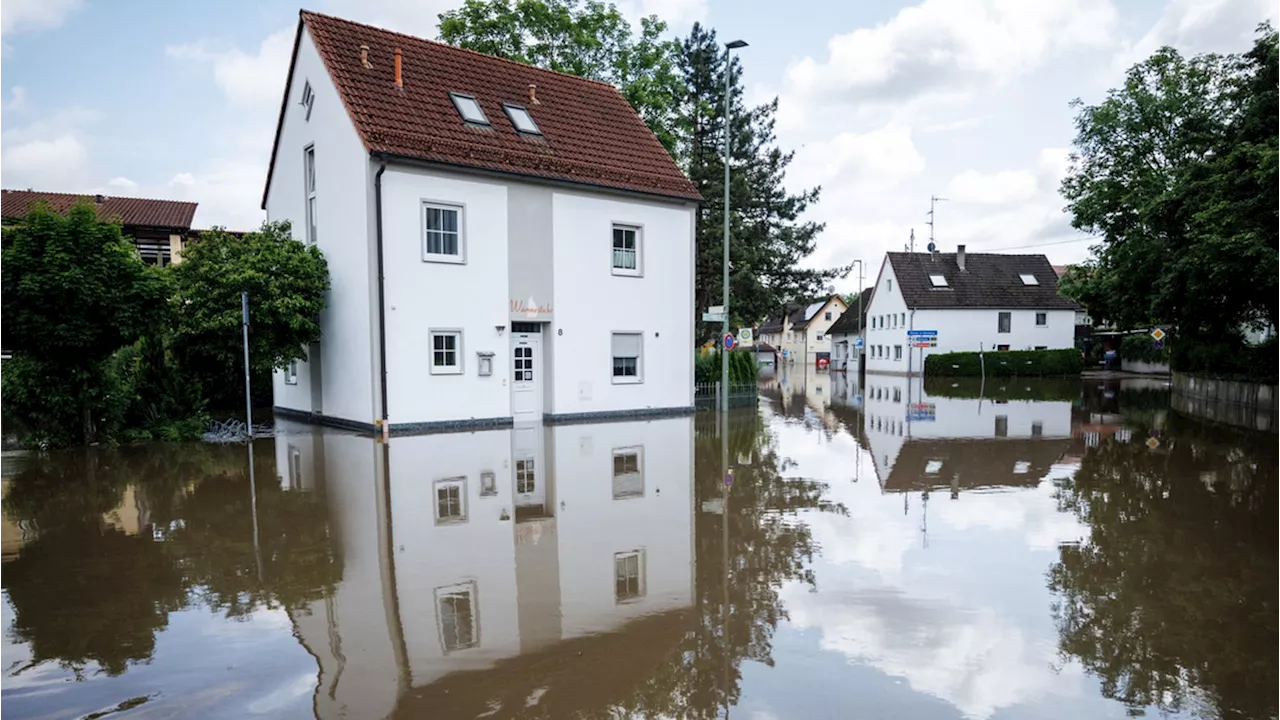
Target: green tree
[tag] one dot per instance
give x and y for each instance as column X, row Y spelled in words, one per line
column 767, row 240
column 589, row 39
column 74, row 291
column 287, row 282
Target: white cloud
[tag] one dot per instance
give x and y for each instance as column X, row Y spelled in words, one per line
column 1196, row 26
column 17, row 99
column 254, row 79
column 60, row 163
column 413, row 17
column 678, row 14
column 22, row 15
column 945, row 47
column 998, row 188
column 882, row 156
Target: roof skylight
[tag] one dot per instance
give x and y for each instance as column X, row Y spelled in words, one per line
column 469, row 108
column 1029, row 279
column 521, row 118
column 938, row 280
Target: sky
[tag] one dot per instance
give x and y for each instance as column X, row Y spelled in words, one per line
column 885, row 104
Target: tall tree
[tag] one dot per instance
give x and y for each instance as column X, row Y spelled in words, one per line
column 768, row 240
column 589, row 39
column 74, row 291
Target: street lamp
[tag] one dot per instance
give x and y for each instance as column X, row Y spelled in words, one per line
column 862, row 332
column 728, row 116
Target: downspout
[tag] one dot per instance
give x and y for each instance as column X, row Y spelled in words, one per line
column 382, row 294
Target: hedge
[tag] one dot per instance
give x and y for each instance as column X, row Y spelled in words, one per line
column 742, row 367
column 1006, row 363
column 1142, row 348
column 1054, row 389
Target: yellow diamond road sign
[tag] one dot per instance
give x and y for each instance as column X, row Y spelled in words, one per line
column 1158, row 334
column 1153, row 443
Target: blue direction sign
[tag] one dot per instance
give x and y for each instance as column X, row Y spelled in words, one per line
column 921, row 333
column 729, row 342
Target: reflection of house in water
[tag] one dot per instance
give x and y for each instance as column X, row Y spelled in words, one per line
column 798, row 390
column 473, row 559
column 919, row 440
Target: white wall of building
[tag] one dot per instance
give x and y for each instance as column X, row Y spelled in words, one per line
column 887, row 323
column 422, row 296
column 593, row 526
column 591, row 303
column 342, row 179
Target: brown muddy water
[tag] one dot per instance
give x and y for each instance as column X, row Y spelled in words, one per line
column 1013, row 549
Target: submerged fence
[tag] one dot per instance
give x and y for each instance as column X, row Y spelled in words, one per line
column 706, row 396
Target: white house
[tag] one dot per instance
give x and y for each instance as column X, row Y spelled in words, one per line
column 975, row 301
column 846, row 354
column 505, row 243
column 800, row 333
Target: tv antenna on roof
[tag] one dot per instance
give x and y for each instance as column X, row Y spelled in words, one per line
column 933, row 202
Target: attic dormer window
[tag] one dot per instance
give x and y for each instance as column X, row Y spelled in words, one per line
column 938, row 280
column 308, row 98
column 469, row 108
column 1028, row 279
column 521, row 119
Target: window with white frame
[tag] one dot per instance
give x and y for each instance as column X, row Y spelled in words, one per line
column 626, row 250
column 628, row 473
column 897, row 352
column 309, row 182
column 1029, row 279
column 1004, row 322
column 308, row 99
column 628, row 576
column 521, row 119
column 826, row 315
column 458, row 617
column 938, row 281
column 819, row 337
column 1042, row 319
column 526, row 478
column 442, row 238
column 451, row 500
column 291, row 373
column 469, row 108
column 446, row 352
column 627, row 366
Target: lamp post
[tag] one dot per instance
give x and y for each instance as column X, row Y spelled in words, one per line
column 862, row 332
column 728, row 129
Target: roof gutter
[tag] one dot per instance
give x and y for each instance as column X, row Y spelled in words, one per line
column 382, row 293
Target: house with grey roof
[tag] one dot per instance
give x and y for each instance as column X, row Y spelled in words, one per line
column 973, row 301
column 846, row 354
column 800, row 332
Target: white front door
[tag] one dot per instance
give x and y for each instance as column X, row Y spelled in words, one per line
column 526, row 377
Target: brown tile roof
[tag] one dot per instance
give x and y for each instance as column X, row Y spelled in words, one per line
column 142, row 212
column 590, row 134
column 989, row 281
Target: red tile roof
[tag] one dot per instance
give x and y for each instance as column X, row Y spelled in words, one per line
column 167, row 214
column 590, row 134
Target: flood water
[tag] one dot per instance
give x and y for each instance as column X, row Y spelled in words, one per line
column 1012, row 549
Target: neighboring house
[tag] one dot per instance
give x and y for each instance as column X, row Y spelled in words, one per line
column 159, row 228
column 975, row 301
column 1082, row 315
column 505, row 243
column 844, row 334
column 800, row 333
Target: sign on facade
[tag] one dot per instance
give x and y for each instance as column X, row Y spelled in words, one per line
column 744, row 335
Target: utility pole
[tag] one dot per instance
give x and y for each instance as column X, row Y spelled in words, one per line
column 933, row 203
column 248, row 398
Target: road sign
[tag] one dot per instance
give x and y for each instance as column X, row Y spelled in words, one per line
column 921, row 333
column 744, row 335
column 717, row 309
column 729, row 341
column 858, row 343
column 728, row 479
column 713, row 317
column 924, row 342
column 922, row 412
column 1153, row 443
column 1158, row 344
column 1158, row 334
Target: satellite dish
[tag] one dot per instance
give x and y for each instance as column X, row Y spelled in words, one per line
column 933, row 247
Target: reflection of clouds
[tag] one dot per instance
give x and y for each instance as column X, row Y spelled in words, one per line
column 1032, row 512
column 974, row 659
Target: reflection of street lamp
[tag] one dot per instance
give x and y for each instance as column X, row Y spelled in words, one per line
column 862, row 333
column 728, row 116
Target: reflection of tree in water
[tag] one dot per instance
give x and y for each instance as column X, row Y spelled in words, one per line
column 768, row 546
column 83, row 591
column 1171, row 602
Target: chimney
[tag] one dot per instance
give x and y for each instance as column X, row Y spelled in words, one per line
column 533, row 94
column 960, row 257
column 364, row 57
column 399, row 79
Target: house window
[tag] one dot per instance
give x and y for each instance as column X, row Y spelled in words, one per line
column 626, row 250
column 1003, row 322
column 446, row 352
column 897, row 352
column 526, row 481
column 826, row 315
column 904, row 318
column 488, row 483
column 626, row 358
column 897, row 395
column 819, row 337
column 451, row 500
column 628, row 576
column 932, row 467
column 938, row 281
column 456, row 613
column 1037, row 429
column 1029, row 279
column 521, row 119
column 442, row 239
column 308, row 99
column 1002, row 426
column 889, row 284
column 309, row 182
column 628, row 480
column 291, row 373
column 469, row 108
column 1021, row 467
column 1002, row 348
column 1042, row 319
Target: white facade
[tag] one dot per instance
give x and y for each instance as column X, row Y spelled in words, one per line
column 529, row 253
column 888, row 348
column 804, row 345
column 479, row 584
